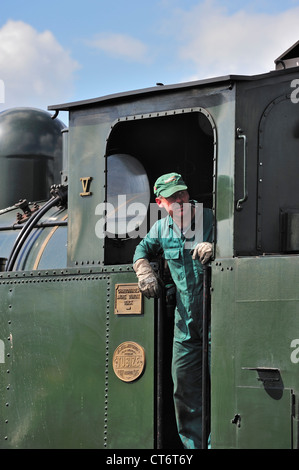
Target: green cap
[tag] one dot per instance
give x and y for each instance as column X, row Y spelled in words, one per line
column 169, row 184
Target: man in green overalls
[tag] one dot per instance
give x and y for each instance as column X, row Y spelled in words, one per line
column 173, row 236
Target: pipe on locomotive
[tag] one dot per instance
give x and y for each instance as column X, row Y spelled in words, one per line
column 59, row 198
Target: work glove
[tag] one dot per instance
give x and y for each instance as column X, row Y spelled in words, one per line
column 203, row 251
column 148, row 281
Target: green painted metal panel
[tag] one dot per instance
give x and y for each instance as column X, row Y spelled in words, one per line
column 255, row 319
column 58, row 388
column 222, row 355
column 131, row 415
column 56, row 363
column 268, row 424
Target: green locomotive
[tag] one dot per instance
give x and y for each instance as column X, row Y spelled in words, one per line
column 84, row 359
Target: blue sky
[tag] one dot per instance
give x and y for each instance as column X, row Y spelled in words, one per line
column 61, row 51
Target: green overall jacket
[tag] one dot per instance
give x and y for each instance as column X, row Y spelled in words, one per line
column 166, row 238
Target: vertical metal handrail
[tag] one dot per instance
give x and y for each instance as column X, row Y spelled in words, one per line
column 205, row 357
column 240, row 135
column 159, row 346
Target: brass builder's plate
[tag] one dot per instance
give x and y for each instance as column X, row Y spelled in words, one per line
column 128, row 361
column 128, row 299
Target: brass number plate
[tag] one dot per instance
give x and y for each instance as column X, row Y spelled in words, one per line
column 128, row 361
column 128, row 299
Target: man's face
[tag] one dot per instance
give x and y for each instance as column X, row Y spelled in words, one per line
column 177, row 205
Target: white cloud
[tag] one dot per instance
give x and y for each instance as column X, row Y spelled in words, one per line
column 121, row 46
column 218, row 43
column 34, row 67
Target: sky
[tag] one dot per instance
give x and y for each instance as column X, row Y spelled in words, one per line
column 54, row 52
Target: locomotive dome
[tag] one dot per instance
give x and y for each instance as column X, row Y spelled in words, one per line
column 30, row 154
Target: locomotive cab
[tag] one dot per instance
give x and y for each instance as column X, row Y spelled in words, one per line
column 115, row 156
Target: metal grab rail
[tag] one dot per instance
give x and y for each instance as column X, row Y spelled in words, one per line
column 205, row 357
column 240, row 135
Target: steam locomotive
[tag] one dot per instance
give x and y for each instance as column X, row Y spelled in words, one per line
column 84, row 358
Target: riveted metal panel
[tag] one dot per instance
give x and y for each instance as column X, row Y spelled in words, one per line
column 278, row 173
column 269, row 121
column 255, row 313
column 58, row 331
column 53, row 375
column 131, row 406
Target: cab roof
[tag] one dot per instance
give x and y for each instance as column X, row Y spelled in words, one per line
column 158, row 89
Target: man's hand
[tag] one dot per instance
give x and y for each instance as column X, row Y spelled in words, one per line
column 203, row 251
column 148, row 281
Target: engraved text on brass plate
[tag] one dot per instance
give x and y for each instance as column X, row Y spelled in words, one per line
column 128, row 299
column 128, row 361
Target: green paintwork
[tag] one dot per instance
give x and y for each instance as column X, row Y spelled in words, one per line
column 254, row 321
column 58, row 386
column 131, row 413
